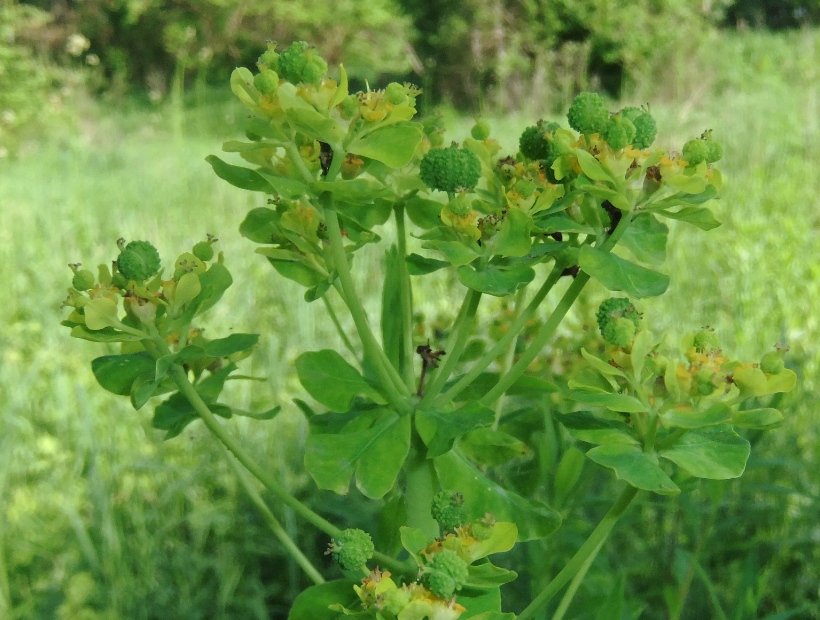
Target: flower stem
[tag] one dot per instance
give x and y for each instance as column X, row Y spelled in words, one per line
column 391, row 382
column 575, row 584
column 590, row 547
column 332, row 313
column 180, row 378
column 455, row 344
column 273, row 523
column 502, row 345
column 406, row 296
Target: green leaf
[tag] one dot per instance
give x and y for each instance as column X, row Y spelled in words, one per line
column 618, row 274
column 642, row 346
column 587, row 427
column 446, row 427
column 494, row 281
column 513, row 237
column 701, row 217
column 261, row 225
column 456, row 252
column 632, row 465
column 423, row 212
column 487, row 575
column 375, row 454
column 314, row 602
column 718, row 413
column 242, row 87
column 101, row 313
column 107, row 334
column 284, row 186
column 361, row 191
column 329, row 379
column 492, row 615
column 646, row 239
column 757, row 418
column 568, row 473
column 502, row 538
column 591, row 167
column 717, row 453
column 315, row 125
column 418, row 265
column 414, row 540
column 234, row 343
column 534, row 518
column 487, row 446
column 142, row 390
column 618, row 200
column 688, row 183
column 117, row 373
column 298, row 272
column 393, row 145
column 239, row 176
column 600, row 365
column 480, row 603
column 613, row 402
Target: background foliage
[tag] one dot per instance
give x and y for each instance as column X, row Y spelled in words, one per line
column 101, row 519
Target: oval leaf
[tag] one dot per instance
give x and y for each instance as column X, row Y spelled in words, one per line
column 494, row 281
column 393, row 145
column 716, row 453
column 718, row 413
column 239, row 176
column 613, row 402
column 618, row 274
column 632, row 465
column 329, row 379
column 117, row 373
column 585, row 426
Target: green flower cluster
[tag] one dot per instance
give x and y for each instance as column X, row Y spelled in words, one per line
column 447, row 510
column 450, row 170
column 618, row 320
column 298, row 64
column 352, row 549
column 445, row 574
column 703, row 149
column 138, row 261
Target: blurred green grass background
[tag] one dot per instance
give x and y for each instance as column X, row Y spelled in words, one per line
column 101, row 519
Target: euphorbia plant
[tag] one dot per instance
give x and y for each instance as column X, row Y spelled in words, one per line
column 423, row 423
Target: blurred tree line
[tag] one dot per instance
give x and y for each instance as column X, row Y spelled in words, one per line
column 473, row 54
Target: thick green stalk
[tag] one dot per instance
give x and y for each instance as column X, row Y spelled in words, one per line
column 406, row 296
column 454, row 346
column 590, row 546
column 274, row 525
column 509, row 356
column 391, row 382
column 421, row 487
column 575, row 584
column 501, row 346
column 332, row 313
column 189, row 392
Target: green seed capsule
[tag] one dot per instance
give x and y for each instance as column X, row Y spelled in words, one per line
column 203, row 250
column 83, row 280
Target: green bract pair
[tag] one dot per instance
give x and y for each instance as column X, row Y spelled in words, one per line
column 430, row 423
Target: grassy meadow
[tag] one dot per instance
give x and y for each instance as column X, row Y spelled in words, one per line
column 100, row 519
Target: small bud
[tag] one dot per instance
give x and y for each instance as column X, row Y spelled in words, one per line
column 395, row 93
column 204, row 250
column 481, row 130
